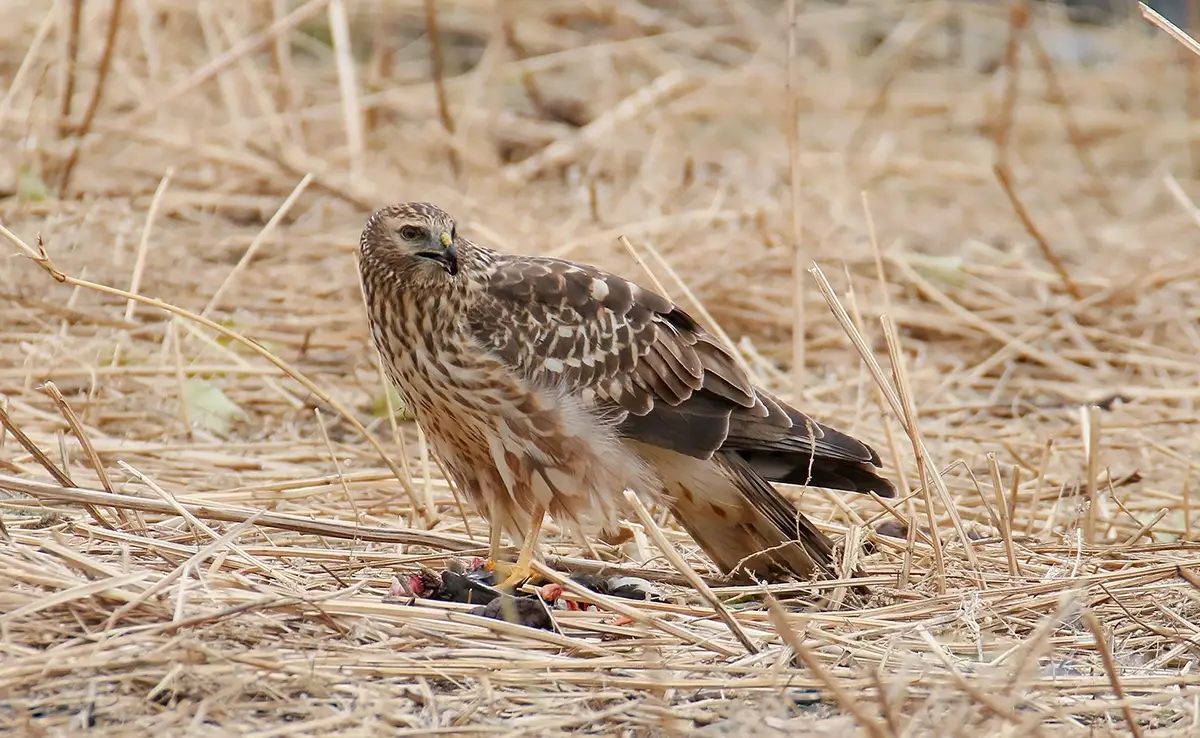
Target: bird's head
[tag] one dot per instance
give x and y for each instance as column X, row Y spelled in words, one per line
column 417, row 237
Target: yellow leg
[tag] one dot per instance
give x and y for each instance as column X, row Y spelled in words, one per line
column 494, row 539
column 523, row 569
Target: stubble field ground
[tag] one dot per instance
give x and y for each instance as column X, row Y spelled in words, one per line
column 229, row 570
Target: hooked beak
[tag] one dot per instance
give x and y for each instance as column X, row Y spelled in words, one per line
column 449, row 257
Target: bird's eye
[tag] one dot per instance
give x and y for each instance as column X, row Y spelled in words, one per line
column 410, row 233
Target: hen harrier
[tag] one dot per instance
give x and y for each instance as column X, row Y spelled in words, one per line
column 549, row 386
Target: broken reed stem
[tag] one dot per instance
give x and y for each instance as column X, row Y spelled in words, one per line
column 42, row 259
column 889, row 393
column 1145, row 527
column 89, row 113
column 564, row 149
column 251, row 250
column 85, row 443
column 637, row 257
column 1018, row 24
column 198, row 526
column 897, row 464
column 930, row 477
column 1090, row 416
column 710, row 322
column 909, row 421
column 294, row 523
column 1172, row 30
column 1186, row 502
column 1018, row 21
column 1035, row 500
column 1074, row 134
column 898, row 409
column 215, row 66
column 47, row 463
column 904, row 489
column 1008, row 712
column 185, row 416
column 518, row 50
column 74, row 19
column 337, row 466
column 615, row 604
column 437, row 71
column 1110, row 668
column 664, row 545
column 1003, row 516
column 1004, row 176
column 901, row 475
column 841, row 695
column 1014, row 495
column 139, row 264
column 191, row 562
column 339, row 28
column 799, row 320
column 398, row 439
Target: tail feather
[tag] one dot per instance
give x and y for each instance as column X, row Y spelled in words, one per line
column 808, row 470
column 806, row 453
column 742, row 523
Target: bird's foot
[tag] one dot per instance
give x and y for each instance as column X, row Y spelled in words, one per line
column 514, row 575
column 518, row 574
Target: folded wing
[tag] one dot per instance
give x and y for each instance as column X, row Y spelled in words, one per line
column 665, row 380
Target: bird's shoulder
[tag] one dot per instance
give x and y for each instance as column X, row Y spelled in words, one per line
column 566, row 290
column 599, row 332
column 560, row 320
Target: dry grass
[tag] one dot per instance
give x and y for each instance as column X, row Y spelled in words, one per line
column 172, row 575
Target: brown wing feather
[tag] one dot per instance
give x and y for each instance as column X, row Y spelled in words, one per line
column 631, row 347
column 667, row 381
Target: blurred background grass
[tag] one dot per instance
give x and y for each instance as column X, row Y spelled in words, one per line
column 152, row 151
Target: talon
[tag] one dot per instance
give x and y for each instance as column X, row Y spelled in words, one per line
column 521, row 571
column 514, row 575
column 518, row 574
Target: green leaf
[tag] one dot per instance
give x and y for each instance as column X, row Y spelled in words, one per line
column 948, row 269
column 380, row 407
column 31, row 187
column 318, row 29
column 209, row 408
column 224, row 340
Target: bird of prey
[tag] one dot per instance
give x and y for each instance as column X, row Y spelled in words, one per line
column 550, row 386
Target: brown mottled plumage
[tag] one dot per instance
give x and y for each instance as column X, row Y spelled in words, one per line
column 549, row 386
